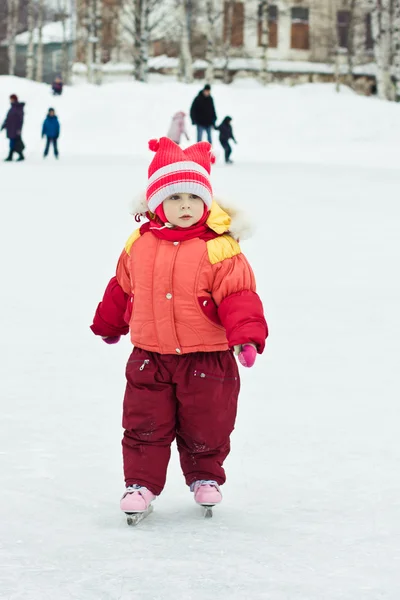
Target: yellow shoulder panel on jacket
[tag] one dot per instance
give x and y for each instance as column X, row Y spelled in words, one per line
column 222, row 247
column 135, row 236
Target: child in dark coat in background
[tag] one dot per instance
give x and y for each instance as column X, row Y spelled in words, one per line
column 226, row 134
column 51, row 129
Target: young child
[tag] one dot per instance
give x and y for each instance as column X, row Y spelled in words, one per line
column 188, row 297
column 177, row 128
column 226, row 134
column 51, row 129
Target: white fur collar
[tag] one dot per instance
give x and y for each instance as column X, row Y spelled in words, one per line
column 241, row 227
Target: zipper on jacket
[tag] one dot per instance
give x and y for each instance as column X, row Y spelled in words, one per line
column 206, row 376
column 145, row 363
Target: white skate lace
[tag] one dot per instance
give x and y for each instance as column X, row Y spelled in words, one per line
column 134, row 488
column 200, row 482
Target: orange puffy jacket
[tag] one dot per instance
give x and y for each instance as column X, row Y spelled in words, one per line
column 181, row 297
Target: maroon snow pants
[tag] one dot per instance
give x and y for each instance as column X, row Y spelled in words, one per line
column 192, row 398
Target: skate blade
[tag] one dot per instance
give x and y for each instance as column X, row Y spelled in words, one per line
column 207, row 510
column 135, row 518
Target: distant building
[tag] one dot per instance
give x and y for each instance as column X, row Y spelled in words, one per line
column 306, row 38
column 52, row 37
column 299, row 30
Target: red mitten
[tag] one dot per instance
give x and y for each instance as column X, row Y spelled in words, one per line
column 111, row 339
column 246, row 354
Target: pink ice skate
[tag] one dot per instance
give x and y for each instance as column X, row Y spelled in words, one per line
column 136, row 503
column 207, row 494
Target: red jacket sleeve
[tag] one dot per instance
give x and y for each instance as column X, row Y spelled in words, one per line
column 109, row 318
column 239, row 306
column 242, row 316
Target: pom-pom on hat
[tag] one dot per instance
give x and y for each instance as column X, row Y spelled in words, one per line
column 177, row 171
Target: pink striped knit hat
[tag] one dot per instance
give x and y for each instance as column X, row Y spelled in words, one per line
column 177, row 171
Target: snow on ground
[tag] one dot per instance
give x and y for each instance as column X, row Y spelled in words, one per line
column 309, row 123
column 311, row 507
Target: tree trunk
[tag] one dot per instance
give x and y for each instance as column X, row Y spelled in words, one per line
column 337, row 69
column 264, row 16
column 98, row 14
column 137, row 11
column 144, row 41
column 396, row 46
column 90, row 39
column 381, row 34
column 385, row 88
column 12, row 27
column 211, row 41
column 186, row 62
column 73, row 15
column 118, row 28
column 375, row 28
column 64, row 45
column 30, row 58
column 351, row 42
column 39, row 57
column 228, row 38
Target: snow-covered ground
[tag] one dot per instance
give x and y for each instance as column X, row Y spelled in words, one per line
column 311, row 508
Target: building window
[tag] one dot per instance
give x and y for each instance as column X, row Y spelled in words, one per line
column 236, row 27
column 343, row 27
column 369, row 41
column 272, row 26
column 300, row 34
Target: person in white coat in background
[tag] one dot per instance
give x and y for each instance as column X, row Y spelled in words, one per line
column 178, row 128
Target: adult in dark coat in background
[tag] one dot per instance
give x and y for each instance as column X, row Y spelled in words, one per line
column 13, row 125
column 203, row 113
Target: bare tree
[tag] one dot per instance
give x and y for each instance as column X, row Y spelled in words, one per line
column 212, row 18
column 351, row 41
column 263, row 9
column 185, row 58
column 228, row 30
column 90, row 34
column 381, row 34
column 30, row 59
column 98, row 39
column 138, row 21
column 90, row 39
column 396, row 45
column 39, row 55
column 12, row 27
column 64, row 17
column 146, row 8
column 385, row 88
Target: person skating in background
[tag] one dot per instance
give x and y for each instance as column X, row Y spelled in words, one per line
column 13, row 124
column 187, row 295
column 51, row 130
column 178, row 128
column 57, row 86
column 225, row 135
column 203, row 113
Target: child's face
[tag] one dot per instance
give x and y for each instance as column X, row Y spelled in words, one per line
column 183, row 210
